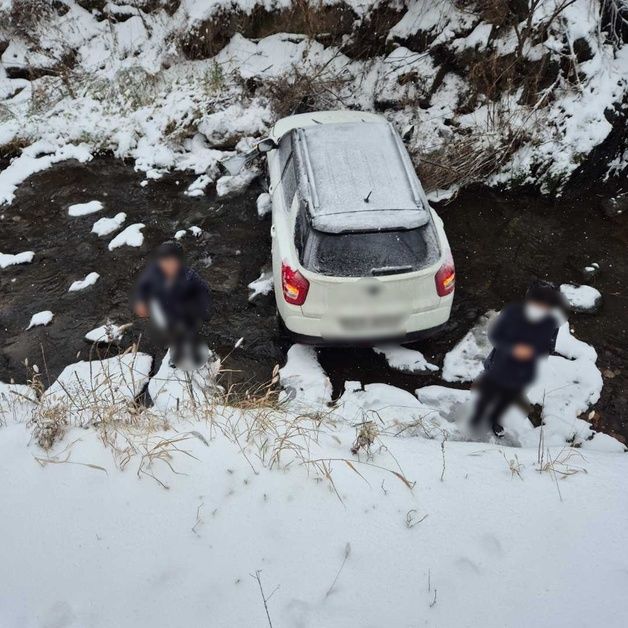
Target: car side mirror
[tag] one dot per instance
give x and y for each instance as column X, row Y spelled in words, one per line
column 266, row 145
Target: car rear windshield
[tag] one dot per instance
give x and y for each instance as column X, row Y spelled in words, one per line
column 371, row 253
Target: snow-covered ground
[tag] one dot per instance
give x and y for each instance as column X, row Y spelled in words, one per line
column 171, row 527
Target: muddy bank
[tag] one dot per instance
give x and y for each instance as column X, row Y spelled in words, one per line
column 499, row 242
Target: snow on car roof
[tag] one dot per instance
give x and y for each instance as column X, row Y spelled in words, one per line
column 357, row 176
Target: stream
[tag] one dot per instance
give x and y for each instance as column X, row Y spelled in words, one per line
column 499, row 241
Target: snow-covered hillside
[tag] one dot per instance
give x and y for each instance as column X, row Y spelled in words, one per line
column 479, row 91
column 138, row 524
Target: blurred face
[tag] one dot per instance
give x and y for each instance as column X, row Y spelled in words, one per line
column 536, row 310
column 170, row 266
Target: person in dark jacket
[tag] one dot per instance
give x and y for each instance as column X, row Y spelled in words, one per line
column 177, row 299
column 522, row 334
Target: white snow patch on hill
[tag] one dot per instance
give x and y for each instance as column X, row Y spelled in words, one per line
column 581, row 298
column 83, row 209
column 87, row 389
column 262, row 285
column 405, row 359
column 464, row 362
column 303, row 378
column 131, row 236
column 173, row 389
column 17, row 402
column 105, row 226
column 41, row 318
column 81, row 284
column 11, row 259
column 107, row 333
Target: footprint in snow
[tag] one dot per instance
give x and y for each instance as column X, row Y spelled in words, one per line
column 491, row 545
column 466, row 565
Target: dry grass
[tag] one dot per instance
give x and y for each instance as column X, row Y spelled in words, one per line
column 266, row 432
column 306, row 88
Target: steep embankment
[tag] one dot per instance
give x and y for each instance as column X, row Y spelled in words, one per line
column 508, row 93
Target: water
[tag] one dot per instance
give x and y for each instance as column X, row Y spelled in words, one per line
column 500, row 243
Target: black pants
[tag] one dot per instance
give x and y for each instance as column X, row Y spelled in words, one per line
column 493, row 400
column 184, row 340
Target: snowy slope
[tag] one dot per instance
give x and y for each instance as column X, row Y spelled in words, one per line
column 484, row 545
column 134, row 91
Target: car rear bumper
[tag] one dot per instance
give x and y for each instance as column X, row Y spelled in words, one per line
column 319, row 341
column 321, row 332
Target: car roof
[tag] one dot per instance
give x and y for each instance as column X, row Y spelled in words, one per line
column 357, row 176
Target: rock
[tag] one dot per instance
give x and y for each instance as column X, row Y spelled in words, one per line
column 591, row 270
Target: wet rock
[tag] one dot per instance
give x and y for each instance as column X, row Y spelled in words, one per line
column 591, row 270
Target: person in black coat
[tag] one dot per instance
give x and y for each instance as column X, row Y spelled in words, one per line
column 522, row 334
column 177, row 298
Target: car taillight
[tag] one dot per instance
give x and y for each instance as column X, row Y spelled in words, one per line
column 446, row 278
column 294, row 285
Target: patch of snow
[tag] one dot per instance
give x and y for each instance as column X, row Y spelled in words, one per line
column 173, row 389
column 197, row 187
column 303, row 378
column 17, row 402
column 404, row 359
column 440, row 196
column 451, row 403
column 81, row 284
column 465, row 361
column 105, row 226
column 83, row 209
column 10, row 259
column 107, row 333
column 41, row 318
column 604, row 442
column 581, row 298
column 236, row 184
column 264, row 204
column 262, row 285
column 87, row 388
column 131, row 236
column 226, row 127
column 572, row 348
column 391, row 408
column 565, row 388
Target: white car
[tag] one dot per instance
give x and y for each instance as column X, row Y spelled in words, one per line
column 358, row 254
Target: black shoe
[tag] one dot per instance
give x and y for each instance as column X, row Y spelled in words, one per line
column 498, row 430
column 173, row 359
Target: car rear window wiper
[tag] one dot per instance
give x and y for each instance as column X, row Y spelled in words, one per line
column 391, row 270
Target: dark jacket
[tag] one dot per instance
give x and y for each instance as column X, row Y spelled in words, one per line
column 185, row 300
column 512, row 328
